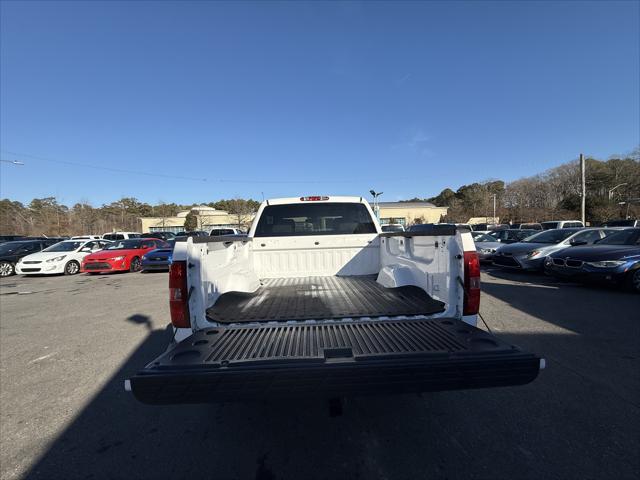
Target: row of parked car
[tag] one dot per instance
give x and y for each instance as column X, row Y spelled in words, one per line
column 599, row 254
column 111, row 252
column 69, row 257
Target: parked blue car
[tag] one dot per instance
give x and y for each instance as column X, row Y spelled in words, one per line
column 157, row 260
column 614, row 259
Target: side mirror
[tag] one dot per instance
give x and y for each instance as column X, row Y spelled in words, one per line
column 85, row 249
column 575, row 243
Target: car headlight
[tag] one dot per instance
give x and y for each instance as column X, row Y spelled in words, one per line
column 606, row 263
column 56, row 259
column 488, row 250
column 533, row 253
column 121, row 257
column 144, row 257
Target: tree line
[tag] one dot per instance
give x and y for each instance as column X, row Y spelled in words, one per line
column 551, row 195
column 612, row 186
column 46, row 216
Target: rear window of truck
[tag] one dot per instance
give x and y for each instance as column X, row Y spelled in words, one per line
column 314, row 219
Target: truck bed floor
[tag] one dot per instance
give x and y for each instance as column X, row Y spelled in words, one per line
column 281, row 299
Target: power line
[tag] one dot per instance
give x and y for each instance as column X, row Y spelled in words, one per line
column 99, row 167
column 220, row 180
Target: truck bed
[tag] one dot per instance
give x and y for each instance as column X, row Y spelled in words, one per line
column 342, row 358
column 332, row 297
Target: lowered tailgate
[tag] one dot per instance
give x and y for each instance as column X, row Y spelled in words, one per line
column 331, row 359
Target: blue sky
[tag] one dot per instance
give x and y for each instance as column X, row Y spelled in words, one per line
column 298, row 98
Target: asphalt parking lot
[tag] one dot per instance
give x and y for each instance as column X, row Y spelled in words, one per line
column 67, row 344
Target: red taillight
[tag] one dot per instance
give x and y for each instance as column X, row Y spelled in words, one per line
column 179, row 295
column 313, row 199
column 471, row 284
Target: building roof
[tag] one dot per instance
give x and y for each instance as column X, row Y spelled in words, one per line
column 407, row 205
column 202, row 210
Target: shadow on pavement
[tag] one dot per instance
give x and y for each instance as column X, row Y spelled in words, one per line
column 535, row 431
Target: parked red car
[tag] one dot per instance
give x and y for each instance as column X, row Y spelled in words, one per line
column 122, row 255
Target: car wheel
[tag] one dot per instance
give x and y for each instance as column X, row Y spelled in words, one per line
column 135, row 264
column 7, row 269
column 71, row 268
column 634, row 280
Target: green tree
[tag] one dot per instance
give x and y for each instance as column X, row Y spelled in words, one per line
column 190, row 222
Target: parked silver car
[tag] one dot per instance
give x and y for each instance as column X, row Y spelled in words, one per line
column 531, row 252
column 486, row 245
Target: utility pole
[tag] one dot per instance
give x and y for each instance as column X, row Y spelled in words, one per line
column 583, row 190
column 494, row 208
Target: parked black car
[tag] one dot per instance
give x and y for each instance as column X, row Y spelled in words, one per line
column 613, row 259
column 511, row 235
column 166, row 236
column 622, row 223
column 527, row 226
column 195, row 233
column 11, row 238
column 11, row 252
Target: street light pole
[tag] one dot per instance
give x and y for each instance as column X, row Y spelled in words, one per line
column 583, row 190
column 611, row 190
column 13, row 162
column 375, row 196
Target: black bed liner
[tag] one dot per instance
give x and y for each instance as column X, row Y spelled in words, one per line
column 333, row 297
column 239, row 363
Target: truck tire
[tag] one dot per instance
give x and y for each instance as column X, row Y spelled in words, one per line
column 134, row 266
column 7, row 269
column 71, row 268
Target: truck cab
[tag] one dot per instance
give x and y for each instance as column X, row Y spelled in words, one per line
column 317, row 301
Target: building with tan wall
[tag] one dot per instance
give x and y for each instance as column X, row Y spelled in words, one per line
column 208, row 218
column 408, row 213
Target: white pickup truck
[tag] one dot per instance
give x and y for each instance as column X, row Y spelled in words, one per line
column 317, row 301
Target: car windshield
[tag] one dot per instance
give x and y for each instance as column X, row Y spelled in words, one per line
column 485, row 238
column 125, row 245
column 550, row 236
column 11, row 247
column 624, row 237
column 64, row 247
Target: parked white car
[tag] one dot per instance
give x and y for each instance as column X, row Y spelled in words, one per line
column 121, row 235
column 63, row 257
column 562, row 224
column 218, row 232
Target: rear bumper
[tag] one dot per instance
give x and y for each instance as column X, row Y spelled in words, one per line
column 328, row 360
